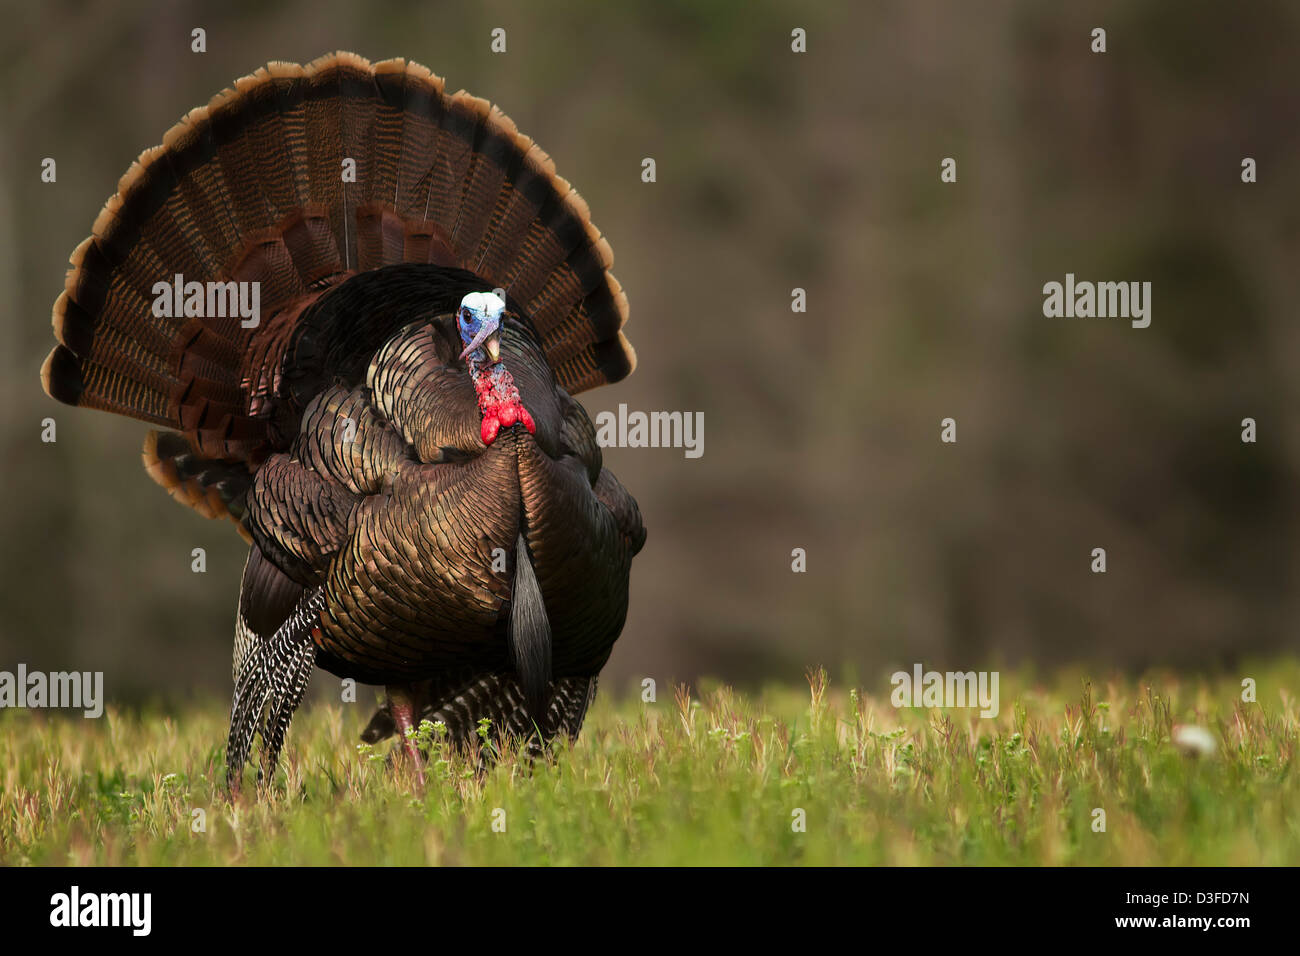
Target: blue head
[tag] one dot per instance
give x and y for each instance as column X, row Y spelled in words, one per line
column 479, row 322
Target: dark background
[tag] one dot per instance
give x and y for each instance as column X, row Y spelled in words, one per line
column 775, row 171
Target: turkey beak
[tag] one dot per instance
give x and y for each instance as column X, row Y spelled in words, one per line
column 492, row 345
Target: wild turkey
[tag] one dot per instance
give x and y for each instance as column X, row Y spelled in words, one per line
column 395, row 436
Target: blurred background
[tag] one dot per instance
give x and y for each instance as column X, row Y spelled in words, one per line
column 775, row 171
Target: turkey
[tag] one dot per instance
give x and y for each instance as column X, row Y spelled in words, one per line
column 359, row 308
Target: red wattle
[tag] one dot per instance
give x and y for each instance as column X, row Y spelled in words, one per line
column 499, row 402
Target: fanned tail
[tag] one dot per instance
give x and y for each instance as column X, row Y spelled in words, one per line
column 297, row 178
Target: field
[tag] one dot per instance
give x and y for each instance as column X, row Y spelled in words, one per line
column 716, row 778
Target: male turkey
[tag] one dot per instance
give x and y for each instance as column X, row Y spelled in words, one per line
column 394, row 434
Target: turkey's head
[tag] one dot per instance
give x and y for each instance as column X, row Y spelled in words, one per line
column 479, row 321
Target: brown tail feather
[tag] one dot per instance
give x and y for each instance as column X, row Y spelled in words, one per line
column 250, row 187
column 213, row 488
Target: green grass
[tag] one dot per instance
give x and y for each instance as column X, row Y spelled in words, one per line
column 713, row 780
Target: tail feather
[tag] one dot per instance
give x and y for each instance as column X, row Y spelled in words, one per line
column 530, row 635
column 215, row 488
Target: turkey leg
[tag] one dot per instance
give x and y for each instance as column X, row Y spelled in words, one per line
column 404, row 704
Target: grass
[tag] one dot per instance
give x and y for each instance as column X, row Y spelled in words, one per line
column 713, row 780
